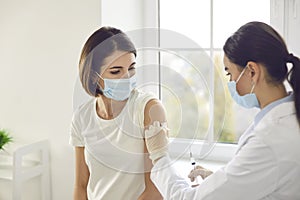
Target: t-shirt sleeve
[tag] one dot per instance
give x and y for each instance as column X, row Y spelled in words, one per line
column 76, row 138
column 141, row 108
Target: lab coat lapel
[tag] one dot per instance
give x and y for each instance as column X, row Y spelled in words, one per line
column 273, row 115
column 244, row 138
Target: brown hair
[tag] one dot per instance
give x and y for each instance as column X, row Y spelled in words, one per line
column 259, row 42
column 101, row 44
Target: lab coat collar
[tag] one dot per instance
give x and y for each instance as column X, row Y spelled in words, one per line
column 272, row 105
column 280, row 111
column 273, row 115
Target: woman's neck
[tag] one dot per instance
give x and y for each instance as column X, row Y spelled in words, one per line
column 270, row 93
column 108, row 108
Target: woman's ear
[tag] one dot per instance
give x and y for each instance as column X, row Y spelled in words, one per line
column 254, row 71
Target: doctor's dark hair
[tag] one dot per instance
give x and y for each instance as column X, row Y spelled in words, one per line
column 259, row 42
column 100, row 45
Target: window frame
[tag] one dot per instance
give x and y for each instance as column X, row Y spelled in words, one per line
column 147, row 16
column 178, row 148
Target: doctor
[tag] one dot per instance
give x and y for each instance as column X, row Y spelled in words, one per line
column 267, row 162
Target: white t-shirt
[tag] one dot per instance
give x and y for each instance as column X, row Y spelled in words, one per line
column 114, row 149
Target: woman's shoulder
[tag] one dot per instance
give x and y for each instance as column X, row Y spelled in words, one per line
column 85, row 108
column 140, row 96
column 138, row 102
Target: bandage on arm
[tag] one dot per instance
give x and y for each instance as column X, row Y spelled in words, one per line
column 157, row 140
column 156, row 131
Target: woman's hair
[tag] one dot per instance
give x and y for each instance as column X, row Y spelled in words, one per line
column 259, row 42
column 101, row 44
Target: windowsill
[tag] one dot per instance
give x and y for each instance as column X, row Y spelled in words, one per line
column 218, row 152
column 210, row 156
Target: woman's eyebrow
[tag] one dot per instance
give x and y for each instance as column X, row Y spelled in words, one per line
column 116, row 67
column 120, row 67
column 132, row 64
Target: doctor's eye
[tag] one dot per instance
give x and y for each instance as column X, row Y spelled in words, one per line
column 228, row 75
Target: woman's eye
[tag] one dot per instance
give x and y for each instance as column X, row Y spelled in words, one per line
column 132, row 68
column 114, row 72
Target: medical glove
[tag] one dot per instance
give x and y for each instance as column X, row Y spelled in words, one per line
column 199, row 171
column 157, row 140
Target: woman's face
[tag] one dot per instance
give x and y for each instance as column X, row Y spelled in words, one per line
column 244, row 85
column 119, row 65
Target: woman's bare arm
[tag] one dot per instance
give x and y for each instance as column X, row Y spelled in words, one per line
column 82, row 175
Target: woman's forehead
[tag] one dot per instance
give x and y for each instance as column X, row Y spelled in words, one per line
column 118, row 58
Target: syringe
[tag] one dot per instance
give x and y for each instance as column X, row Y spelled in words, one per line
column 193, row 163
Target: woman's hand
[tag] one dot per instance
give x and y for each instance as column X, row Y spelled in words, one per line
column 199, row 171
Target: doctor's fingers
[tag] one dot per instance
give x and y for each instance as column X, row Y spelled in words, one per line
column 195, row 173
column 197, row 167
column 204, row 173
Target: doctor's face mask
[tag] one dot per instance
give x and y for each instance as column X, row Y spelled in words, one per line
column 247, row 100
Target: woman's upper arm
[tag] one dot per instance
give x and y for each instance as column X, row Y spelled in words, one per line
column 81, row 169
column 154, row 111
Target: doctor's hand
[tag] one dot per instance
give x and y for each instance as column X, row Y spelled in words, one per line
column 199, row 171
column 156, row 136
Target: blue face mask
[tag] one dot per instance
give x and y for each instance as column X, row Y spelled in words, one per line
column 118, row 89
column 247, row 100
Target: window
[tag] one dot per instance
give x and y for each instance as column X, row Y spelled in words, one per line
column 196, row 88
column 188, row 73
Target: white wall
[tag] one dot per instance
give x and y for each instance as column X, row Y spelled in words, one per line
column 285, row 17
column 40, row 43
column 134, row 17
column 126, row 15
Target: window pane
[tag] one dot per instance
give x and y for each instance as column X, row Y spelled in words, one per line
column 229, row 15
column 190, row 18
column 187, row 85
column 231, row 120
column 186, row 92
column 194, row 90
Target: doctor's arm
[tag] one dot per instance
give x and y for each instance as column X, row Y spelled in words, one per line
column 252, row 174
column 150, row 191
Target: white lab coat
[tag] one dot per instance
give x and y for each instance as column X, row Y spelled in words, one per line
column 266, row 165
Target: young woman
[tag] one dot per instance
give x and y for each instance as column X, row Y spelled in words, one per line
column 267, row 162
column 108, row 131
